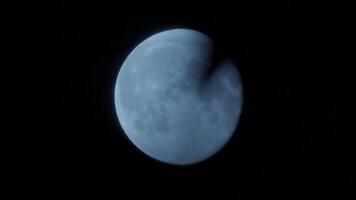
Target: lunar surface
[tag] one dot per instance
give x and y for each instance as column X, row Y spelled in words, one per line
column 174, row 101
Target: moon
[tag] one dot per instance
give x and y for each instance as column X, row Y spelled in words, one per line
column 174, row 101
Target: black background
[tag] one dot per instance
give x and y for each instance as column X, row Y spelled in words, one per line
column 285, row 143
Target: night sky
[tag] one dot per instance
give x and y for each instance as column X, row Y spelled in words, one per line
column 284, row 144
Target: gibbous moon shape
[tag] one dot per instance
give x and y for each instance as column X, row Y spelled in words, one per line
column 173, row 102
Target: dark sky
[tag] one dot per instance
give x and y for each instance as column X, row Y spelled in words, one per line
column 284, row 145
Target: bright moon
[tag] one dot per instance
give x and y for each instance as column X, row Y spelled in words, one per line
column 171, row 104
